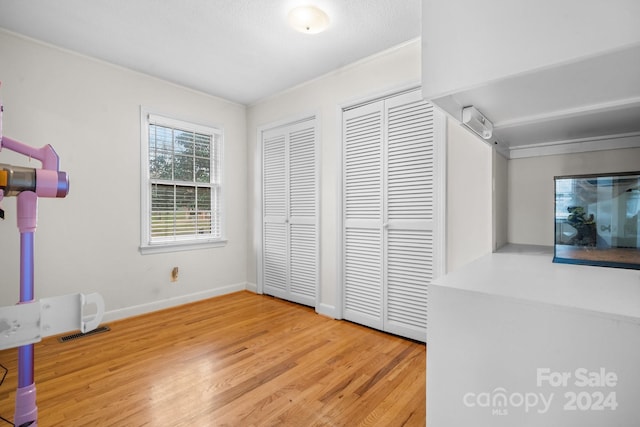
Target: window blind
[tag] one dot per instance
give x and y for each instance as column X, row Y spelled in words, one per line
column 184, row 162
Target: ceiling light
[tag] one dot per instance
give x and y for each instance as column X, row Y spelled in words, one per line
column 308, row 19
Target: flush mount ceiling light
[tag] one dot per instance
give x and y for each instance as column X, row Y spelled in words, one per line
column 308, row 19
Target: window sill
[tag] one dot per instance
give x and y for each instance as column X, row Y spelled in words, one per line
column 160, row 248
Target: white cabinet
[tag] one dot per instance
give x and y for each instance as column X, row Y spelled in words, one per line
column 290, row 212
column 388, row 227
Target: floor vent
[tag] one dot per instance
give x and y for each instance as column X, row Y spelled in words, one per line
column 97, row 330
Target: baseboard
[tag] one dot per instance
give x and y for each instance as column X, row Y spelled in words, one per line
column 137, row 310
column 252, row 287
column 328, row 310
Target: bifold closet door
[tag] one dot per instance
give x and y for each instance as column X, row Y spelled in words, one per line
column 290, row 226
column 409, row 225
column 388, row 214
column 363, row 215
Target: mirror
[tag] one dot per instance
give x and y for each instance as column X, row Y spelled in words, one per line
column 597, row 221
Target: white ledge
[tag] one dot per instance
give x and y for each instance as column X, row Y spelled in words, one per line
column 528, row 273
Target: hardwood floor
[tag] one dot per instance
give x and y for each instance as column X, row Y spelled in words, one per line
column 236, row 360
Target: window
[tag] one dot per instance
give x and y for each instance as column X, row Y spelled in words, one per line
column 565, row 191
column 181, row 188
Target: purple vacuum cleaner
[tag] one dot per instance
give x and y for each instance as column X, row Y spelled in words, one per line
column 26, row 322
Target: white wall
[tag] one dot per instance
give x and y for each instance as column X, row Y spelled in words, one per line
column 500, row 200
column 531, row 192
column 469, row 196
column 90, row 112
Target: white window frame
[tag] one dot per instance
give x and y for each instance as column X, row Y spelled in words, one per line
column 148, row 246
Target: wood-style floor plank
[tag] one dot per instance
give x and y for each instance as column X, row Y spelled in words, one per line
column 236, row 360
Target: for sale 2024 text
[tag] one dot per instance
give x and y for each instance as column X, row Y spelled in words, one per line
column 594, row 388
column 578, row 390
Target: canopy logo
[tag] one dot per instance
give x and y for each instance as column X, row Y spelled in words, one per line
column 500, row 401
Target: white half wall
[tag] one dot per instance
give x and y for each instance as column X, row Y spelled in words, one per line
column 89, row 111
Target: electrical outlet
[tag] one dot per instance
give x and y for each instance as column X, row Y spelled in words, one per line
column 174, row 274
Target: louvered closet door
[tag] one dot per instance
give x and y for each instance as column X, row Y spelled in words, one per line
column 388, row 214
column 362, row 233
column 290, row 227
column 303, row 227
column 275, row 239
column 408, row 214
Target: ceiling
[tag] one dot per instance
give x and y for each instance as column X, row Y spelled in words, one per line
column 597, row 97
column 240, row 50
